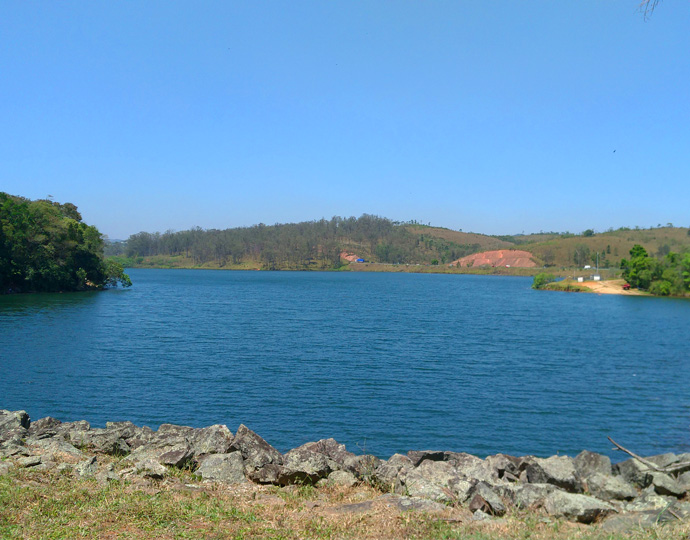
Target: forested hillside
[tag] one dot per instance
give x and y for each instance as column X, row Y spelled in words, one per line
column 312, row 244
column 45, row 246
column 319, row 245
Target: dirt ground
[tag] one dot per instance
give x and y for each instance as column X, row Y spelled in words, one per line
column 612, row 286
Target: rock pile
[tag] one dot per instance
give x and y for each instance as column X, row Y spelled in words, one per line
column 586, row 488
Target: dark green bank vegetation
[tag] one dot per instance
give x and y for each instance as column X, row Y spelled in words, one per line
column 46, row 247
column 662, row 276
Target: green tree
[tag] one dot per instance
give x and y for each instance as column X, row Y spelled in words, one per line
column 542, row 279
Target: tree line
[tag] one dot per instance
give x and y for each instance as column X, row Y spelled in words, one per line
column 45, row 246
column 669, row 275
column 310, row 244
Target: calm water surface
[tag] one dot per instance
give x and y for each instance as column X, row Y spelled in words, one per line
column 381, row 362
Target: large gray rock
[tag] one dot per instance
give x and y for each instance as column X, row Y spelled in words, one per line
column 341, row 478
column 106, row 441
column 588, row 463
column 226, row 468
column 684, row 481
column 304, row 467
column 556, row 470
column 14, row 426
column 435, row 480
column 43, row 428
column 524, row 496
column 504, row 467
column 334, row 451
column 74, row 432
column 609, row 488
column 417, row 456
column 640, row 474
column 648, row 501
column 411, row 504
column 214, row 439
column 262, row 462
column 386, row 474
column 665, row 485
column 577, row 507
column 483, row 498
column 170, row 445
column 87, row 468
column 55, row 448
column 29, row 461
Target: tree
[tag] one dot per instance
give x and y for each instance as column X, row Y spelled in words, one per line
column 542, row 280
column 44, row 246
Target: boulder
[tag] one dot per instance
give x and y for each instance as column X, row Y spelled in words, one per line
column 609, row 488
column 170, row 446
column 304, row 467
column 684, row 481
column 648, row 501
column 214, row 439
column 55, row 447
column 74, row 432
column 524, row 496
column 14, row 426
column 665, row 485
column 417, row 456
column 386, row 474
column 364, row 466
column 29, row 461
column 556, row 470
column 5, row 468
column 640, row 474
column 254, row 449
column 631, row 521
column 577, row 507
column 483, row 498
column 226, row 468
column 435, row 480
column 335, row 451
column 411, row 504
column 587, row 463
column 150, row 468
column 43, row 428
column 106, row 441
column 87, row 468
column 341, row 478
column 504, row 467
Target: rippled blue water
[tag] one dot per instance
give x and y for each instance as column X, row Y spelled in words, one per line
column 383, row 362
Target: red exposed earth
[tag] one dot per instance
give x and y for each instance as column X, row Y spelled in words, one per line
column 501, row 257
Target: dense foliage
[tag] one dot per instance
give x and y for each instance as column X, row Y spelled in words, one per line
column 667, row 276
column 312, row 244
column 542, row 279
column 45, row 246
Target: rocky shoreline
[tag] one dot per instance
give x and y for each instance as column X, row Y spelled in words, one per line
column 586, row 489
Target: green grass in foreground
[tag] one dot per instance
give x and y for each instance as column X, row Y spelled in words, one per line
column 40, row 505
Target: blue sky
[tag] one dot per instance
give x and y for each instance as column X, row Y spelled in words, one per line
column 492, row 116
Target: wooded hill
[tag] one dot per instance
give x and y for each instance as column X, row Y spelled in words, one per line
column 319, row 245
column 45, row 246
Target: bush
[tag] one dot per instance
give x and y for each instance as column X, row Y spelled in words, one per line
column 542, row 279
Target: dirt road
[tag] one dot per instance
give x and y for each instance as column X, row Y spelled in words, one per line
column 612, row 286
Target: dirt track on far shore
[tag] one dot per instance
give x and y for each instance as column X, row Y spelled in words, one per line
column 612, row 286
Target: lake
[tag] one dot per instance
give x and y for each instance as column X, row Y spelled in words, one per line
column 381, row 362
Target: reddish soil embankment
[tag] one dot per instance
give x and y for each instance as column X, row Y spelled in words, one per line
column 501, row 257
column 350, row 257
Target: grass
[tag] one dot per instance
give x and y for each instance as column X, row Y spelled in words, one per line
column 47, row 505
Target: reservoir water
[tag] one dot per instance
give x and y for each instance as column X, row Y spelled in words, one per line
column 381, row 362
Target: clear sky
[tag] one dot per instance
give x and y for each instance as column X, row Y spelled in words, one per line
column 487, row 116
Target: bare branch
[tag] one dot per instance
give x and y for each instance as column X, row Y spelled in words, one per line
column 638, row 458
column 648, row 7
